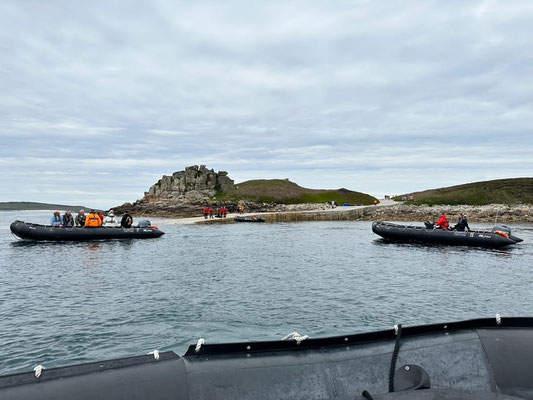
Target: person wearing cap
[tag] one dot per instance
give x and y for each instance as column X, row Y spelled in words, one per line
column 56, row 219
column 80, row 218
column 110, row 219
column 68, row 220
column 93, row 220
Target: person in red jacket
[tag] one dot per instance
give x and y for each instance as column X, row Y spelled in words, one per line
column 443, row 222
column 210, row 212
column 205, row 211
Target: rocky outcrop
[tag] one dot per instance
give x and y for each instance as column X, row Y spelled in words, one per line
column 181, row 194
column 195, row 184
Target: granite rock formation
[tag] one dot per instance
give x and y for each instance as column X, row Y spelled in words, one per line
column 195, row 184
column 180, row 194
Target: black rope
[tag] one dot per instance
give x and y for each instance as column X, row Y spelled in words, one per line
column 394, row 357
column 367, row 395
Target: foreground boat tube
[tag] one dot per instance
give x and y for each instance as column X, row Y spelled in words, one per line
column 475, row 359
column 25, row 230
column 410, row 233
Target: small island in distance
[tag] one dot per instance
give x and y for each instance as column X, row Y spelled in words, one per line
column 33, row 205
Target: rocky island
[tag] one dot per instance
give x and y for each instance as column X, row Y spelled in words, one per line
column 184, row 193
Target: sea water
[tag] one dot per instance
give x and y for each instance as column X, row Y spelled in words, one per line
column 65, row 303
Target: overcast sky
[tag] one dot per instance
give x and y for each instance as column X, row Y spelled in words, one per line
column 99, row 99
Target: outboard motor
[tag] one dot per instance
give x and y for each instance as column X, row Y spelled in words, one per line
column 507, row 230
column 502, row 228
column 144, row 223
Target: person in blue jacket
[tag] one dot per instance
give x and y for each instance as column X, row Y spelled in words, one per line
column 56, row 219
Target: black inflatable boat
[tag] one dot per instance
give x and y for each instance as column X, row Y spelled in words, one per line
column 248, row 219
column 26, row 230
column 469, row 360
column 499, row 236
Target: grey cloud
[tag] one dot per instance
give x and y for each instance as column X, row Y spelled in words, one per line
column 414, row 91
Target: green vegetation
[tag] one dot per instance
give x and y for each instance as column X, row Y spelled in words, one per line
column 501, row 191
column 29, row 205
column 287, row 192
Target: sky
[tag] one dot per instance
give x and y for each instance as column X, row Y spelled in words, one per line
column 100, row 99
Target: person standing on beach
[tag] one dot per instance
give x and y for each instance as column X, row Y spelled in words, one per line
column 210, row 212
column 206, row 212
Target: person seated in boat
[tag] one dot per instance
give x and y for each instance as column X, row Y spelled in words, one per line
column 80, row 218
column 126, row 221
column 110, row 219
column 56, row 219
column 443, row 222
column 462, row 223
column 93, row 220
column 68, row 219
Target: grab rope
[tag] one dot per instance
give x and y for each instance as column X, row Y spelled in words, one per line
column 398, row 333
column 367, row 395
column 38, row 371
column 155, row 353
column 296, row 336
column 498, row 319
column 199, row 344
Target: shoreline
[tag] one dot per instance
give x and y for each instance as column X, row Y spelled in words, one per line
column 493, row 213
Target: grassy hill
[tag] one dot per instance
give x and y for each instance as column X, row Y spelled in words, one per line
column 30, row 205
column 287, row 192
column 500, row 191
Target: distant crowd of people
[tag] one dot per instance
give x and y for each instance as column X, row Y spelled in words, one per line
column 443, row 223
column 210, row 212
column 94, row 219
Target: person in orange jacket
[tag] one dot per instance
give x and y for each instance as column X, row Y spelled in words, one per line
column 443, row 222
column 93, row 220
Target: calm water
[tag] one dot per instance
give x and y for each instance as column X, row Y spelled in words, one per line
column 62, row 303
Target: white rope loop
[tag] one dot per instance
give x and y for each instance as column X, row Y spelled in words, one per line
column 155, row 353
column 199, row 344
column 498, row 319
column 296, row 336
column 396, row 329
column 38, row 371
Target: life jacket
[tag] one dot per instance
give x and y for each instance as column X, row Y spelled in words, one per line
column 205, row 210
column 443, row 222
column 93, row 220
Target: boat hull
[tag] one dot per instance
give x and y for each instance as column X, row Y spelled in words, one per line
column 420, row 234
column 475, row 359
column 249, row 219
column 30, row 231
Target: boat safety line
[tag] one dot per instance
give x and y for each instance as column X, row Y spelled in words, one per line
column 398, row 333
column 38, row 371
column 199, row 344
column 155, row 353
column 296, row 336
column 498, row 319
